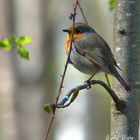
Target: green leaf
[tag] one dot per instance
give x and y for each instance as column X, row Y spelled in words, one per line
column 48, row 108
column 21, row 40
column 5, row 44
column 18, row 42
column 112, row 4
column 22, row 52
column 24, row 40
column 75, row 94
column 14, row 39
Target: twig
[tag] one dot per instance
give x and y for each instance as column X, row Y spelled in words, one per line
column 117, row 101
column 64, row 72
column 83, row 15
column 50, row 124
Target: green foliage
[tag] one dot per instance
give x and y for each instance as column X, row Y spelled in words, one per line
column 21, row 40
column 48, row 108
column 112, row 4
column 5, row 44
column 75, row 94
column 23, row 52
column 12, row 42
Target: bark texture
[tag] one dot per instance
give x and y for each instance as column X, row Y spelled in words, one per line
column 125, row 123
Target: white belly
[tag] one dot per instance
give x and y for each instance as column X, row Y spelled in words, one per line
column 82, row 63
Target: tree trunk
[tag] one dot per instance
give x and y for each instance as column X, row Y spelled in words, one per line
column 7, row 113
column 29, row 92
column 125, row 124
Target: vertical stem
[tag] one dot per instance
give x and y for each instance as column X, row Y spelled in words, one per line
column 75, row 2
column 83, row 15
column 126, row 47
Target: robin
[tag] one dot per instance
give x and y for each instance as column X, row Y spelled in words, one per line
column 90, row 53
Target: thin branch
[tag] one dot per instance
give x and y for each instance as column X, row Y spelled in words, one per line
column 75, row 2
column 117, row 101
column 83, row 15
column 50, row 124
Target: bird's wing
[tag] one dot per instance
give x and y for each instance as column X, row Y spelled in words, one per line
column 96, row 50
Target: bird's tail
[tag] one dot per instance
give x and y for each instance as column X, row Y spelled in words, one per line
column 121, row 80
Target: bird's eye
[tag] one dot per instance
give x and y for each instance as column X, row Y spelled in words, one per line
column 77, row 31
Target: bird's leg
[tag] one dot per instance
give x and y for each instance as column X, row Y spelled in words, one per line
column 90, row 77
column 88, row 81
column 107, row 79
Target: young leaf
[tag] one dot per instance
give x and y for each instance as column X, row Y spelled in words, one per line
column 48, row 108
column 24, row 40
column 75, row 94
column 112, row 4
column 5, row 44
column 14, row 39
column 23, row 52
column 21, row 40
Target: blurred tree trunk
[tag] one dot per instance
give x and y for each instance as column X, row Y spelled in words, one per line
column 49, row 59
column 127, row 53
column 7, row 113
column 30, row 91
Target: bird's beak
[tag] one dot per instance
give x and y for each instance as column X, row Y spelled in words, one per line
column 65, row 30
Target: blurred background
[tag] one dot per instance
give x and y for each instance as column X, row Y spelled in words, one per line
column 27, row 85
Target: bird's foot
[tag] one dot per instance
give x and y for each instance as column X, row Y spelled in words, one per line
column 87, row 82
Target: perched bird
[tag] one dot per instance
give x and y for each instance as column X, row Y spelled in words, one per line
column 90, row 53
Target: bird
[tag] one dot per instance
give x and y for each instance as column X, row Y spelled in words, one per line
column 90, row 53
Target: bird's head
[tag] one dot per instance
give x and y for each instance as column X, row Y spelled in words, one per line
column 79, row 30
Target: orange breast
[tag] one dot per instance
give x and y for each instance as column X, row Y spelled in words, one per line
column 67, row 44
column 68, row 39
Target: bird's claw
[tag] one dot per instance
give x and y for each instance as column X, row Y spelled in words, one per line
column 87, row 82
